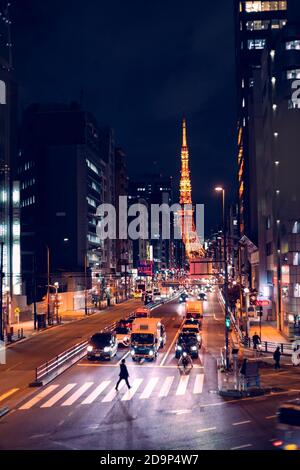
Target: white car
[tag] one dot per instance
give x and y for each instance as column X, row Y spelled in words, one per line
column 123, row 335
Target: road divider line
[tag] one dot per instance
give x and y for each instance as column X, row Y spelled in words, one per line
column 166, row 386
column 123, row 357
column 241, row 447
column 271, row 417
column 198, row 385
column 172, row 344
column 181, row 389
column 149, row 388
column 58, row 396
column 241, row 422
column 77, row 394
column 92, row 397
column 8, row 394
column 207, row 429
column 44, row 393
column 132, row 391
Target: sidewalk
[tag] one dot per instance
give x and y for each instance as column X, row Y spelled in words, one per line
column 269, row 333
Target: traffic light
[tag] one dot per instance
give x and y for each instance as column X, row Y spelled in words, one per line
column 227, row 322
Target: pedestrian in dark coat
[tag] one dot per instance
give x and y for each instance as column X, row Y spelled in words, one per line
column 276, row 357
column 123, row 375
column 255, row 340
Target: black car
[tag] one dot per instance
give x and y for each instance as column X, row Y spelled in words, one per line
column 183, row 298
column 102, row 346
column 202, row 296
column 187, row 342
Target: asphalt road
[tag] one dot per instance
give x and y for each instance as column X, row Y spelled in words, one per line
column 163, row 411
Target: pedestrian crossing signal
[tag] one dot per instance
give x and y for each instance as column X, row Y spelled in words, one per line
column 227, row 322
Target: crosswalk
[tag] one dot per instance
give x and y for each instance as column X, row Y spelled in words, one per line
column 104, row 392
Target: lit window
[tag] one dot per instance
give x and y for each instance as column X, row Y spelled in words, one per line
column 257, row 25
column 296, row 258
column 256, row 44
column 251, row 7
column 2, row 92
column 293, row 74
column 91, row 202
column 292, row 45
column 296, row 227
column 296, row 290
column 92, row 166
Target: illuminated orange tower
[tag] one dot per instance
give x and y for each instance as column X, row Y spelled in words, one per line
column 193, row 247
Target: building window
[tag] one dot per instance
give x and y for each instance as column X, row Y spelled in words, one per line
column 2, row 92
column 296, row 290
column 92, row 166
column 296, row 227
column 256, row 44
column 268, row 222
column 91, row 201
column 257, row 25
column 270, row 277
column 293, row 74
column 292, row 45
column 296, row 258
column 251, row 7
column 96, row 187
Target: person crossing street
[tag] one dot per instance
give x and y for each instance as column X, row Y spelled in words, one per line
column 124, row 374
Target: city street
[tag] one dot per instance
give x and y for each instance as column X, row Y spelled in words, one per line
column 163, row 410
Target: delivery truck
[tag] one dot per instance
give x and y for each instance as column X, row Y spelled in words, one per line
column 194, row 309
column 148, row 335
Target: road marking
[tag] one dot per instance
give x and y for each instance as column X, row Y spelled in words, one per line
column 181, row 389
column 112, row 393
column 131, row 392
column 58, row 396
column 172, row 344
column 123, row 357
column 38, row 397
column 8, row 394
column 77, row 394
column 241, row 447
column 271, row 417
column 92, row 397
column 198, row 385
column 164, row 391
column 207, row 429
column 154, row 366
column 149, row 388
column 241, row 422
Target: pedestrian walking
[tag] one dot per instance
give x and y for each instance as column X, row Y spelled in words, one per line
column 255, row 340
column 123, row 375
column 276, row 357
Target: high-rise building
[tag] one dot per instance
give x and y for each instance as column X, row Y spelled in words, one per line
column 62, row 178
column 153, row 189
column 10, row 262
column 274, row 128
column 255, row 22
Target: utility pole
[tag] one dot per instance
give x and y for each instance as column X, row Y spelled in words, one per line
column 85, row 285
column 1, row 292
column 48, row 285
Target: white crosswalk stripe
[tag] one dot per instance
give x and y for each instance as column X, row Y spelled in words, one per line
column 98, row 390
column 149, row 388
column 198, row 385
column 58, row 396
column 154, row 386
column 166, row 386
column 112, row 393
column 181, row 389
column 44, row 393
column 134, row 388
column 77, row 394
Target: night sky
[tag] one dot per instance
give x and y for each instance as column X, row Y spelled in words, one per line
column 141, row 65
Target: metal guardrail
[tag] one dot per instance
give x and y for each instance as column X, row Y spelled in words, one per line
column 52, row 368
column 57, row 365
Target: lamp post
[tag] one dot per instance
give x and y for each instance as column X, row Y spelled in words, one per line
column 227, row 313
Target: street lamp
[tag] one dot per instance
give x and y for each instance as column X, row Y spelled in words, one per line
column 220, row 189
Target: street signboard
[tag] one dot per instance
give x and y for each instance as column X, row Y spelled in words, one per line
column 263, row 303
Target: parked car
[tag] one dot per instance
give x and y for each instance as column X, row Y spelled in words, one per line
column 102, row 346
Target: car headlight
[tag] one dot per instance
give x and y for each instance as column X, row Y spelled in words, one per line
column 132, row 352
column 198, row 338
column 194, row 348
column 90, row 348
column 179, row 348
column 106, row 349
column 151, row 353
column 126, row 338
